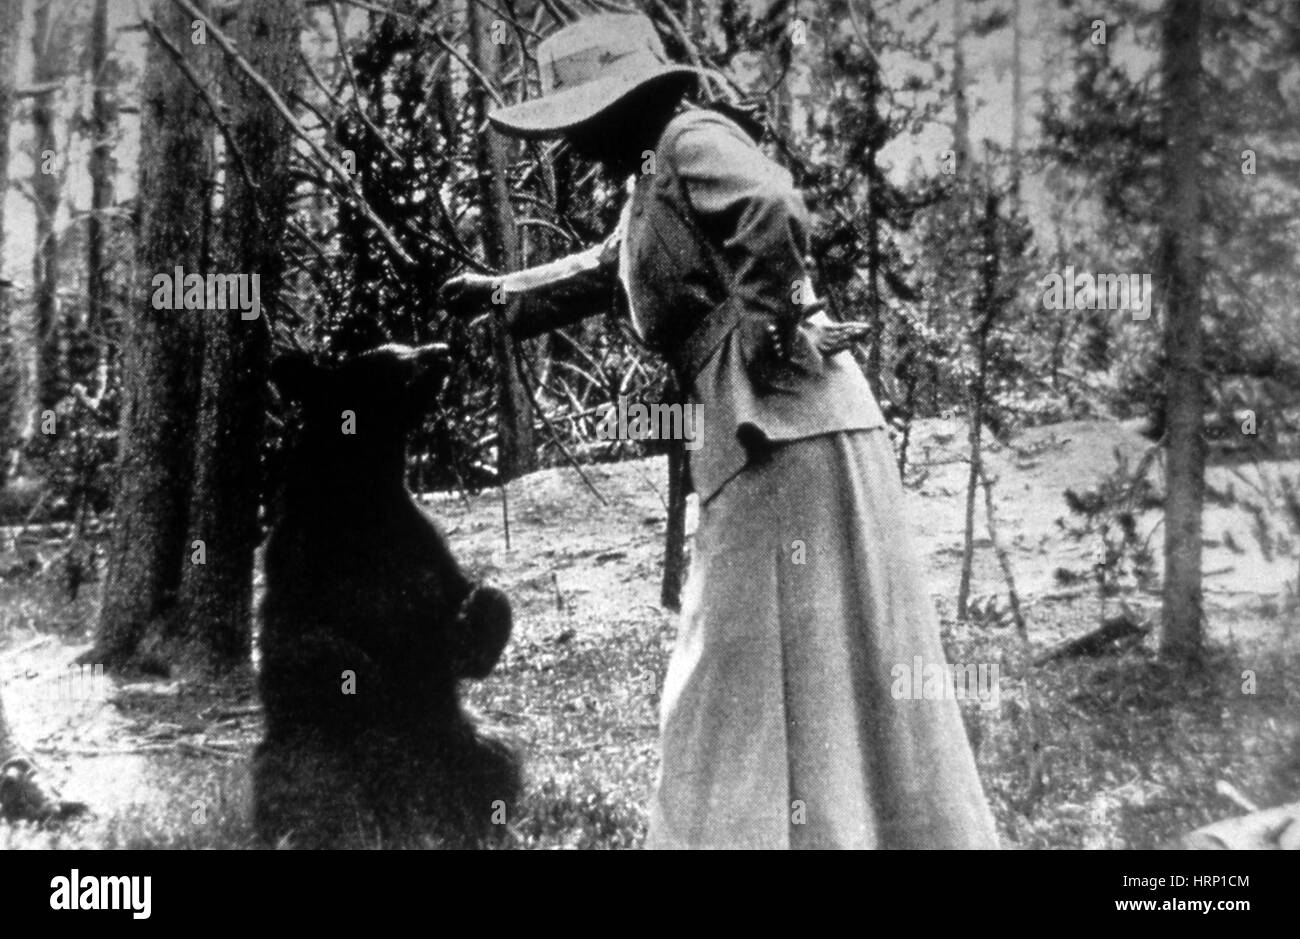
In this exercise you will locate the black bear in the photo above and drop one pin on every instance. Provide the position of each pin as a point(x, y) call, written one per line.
point(368, 624)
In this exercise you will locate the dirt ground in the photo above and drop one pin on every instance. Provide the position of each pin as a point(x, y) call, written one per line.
point(163, 762)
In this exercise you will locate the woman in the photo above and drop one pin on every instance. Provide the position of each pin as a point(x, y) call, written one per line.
point(778, 724)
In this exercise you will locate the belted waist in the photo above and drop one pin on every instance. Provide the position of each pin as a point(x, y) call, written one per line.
point(689, 360)
point(690, 356)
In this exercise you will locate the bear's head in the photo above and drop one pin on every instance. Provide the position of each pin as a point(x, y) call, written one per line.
point(356, 414)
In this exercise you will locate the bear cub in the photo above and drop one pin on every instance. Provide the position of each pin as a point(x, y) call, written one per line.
point(368, 625)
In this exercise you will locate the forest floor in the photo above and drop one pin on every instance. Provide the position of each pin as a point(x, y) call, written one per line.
point(1130, 754)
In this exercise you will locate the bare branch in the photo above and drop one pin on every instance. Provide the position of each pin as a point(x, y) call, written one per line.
point(437, 37)
point(352, 81)
point(200, 86)
point(277, 102)
point(33, 91)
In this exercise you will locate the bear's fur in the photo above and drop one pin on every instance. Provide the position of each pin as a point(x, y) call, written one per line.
point(363, 594)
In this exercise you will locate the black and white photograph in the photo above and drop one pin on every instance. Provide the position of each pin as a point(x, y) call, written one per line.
point(650, 424)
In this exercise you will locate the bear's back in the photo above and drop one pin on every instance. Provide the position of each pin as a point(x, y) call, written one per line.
point(371, 589)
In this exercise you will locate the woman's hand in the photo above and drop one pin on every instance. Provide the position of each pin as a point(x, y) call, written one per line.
point(826, 336)
point(467, 294)
point(830, 338)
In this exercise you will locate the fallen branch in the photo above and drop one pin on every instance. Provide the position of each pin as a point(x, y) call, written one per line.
point(1123, 626)
point(97, 751)
point(1073, 593)
point(224, 714)
point(202, 749)
point(1235, 795)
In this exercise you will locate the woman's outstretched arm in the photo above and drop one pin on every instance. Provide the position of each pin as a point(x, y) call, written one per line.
point(552, 295)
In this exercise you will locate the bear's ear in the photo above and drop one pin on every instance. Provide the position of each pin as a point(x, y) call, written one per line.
point(296, 375)
point(430, 365)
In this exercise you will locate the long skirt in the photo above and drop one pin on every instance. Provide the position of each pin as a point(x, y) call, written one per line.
point(782, 721)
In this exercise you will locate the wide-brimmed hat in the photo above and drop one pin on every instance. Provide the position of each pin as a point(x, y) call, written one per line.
point(585, 67)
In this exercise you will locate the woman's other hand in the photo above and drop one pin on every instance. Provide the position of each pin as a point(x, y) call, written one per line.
point(467, 294)
point(830, 338)
point(822, 333)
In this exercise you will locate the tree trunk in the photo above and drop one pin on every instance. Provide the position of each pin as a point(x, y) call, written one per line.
point(1017, 102)
point(777, 65)
point(46, 186)
point(1180, 638)
point(972, 481)
point(217, 595)
point(960, 106)
point(7, 748)
point(875, 260)
point(516, 452)
point(160, 364)
point(103, 116)
point(985, 312)
point(875, 315)
point(13, 418)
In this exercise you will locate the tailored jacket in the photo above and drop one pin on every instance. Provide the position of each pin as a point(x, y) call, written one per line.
point(710, 252)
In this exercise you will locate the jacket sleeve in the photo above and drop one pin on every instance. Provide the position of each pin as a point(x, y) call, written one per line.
point(749, 208)
point(564, 291)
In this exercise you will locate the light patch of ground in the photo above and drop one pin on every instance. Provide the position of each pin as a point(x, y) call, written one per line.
point(62, 713)
point(1033, 473)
